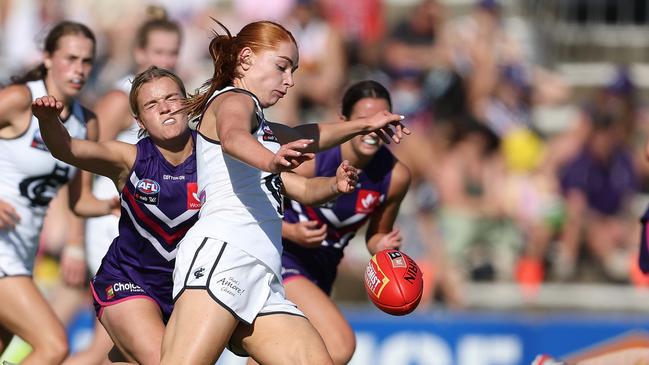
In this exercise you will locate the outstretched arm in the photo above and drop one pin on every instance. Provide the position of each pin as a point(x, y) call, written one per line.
point(111, 159)
point(326, 135)
point(318, 190)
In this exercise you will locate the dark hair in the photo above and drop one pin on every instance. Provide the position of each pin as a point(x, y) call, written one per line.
point(224, 50)
point(157, 21)
point(50, 46)
point(361, 90)
point(148, 75)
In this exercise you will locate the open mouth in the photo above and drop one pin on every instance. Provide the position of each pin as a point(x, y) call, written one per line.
point(77, 83)
point(370, 140)
point(169, 121)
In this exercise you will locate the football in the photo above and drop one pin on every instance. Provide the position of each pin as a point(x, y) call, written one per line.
point(394, 282)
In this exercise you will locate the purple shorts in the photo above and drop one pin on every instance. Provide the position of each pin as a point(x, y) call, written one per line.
point(294, 266)
point(112, 286)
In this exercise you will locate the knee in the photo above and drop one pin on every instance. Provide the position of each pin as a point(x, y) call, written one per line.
point(342, 347)
point(54, 349)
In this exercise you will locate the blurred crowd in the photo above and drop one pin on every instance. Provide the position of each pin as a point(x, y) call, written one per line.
point(503, 190)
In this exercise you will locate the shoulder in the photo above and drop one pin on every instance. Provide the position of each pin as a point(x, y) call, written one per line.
point(17, 96)
point(233, 101)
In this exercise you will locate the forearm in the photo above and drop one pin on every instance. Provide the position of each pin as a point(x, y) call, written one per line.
point(327, 135)
point(56, 138)
point(310, 191)
point(373, 243)
point(319, 190)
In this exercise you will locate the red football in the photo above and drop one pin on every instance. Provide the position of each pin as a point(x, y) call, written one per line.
point(394, 282)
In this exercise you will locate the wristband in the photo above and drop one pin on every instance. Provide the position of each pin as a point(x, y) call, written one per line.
point(74, 251)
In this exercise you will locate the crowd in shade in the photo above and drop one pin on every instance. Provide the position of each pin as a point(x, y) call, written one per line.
point(499, 192)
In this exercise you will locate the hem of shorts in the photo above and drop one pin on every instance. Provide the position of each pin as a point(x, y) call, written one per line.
point(293, 277)
point(260, 314)
point(103, 304)
point(219, 302)
point(16, 275)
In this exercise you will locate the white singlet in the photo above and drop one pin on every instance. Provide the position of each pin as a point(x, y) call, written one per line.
point(241, 205)
point(29, 180)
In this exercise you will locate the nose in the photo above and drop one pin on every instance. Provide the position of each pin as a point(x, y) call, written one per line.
point(165, 107)
point(289, 79)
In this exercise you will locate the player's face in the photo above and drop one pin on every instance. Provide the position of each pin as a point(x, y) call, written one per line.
point(69, 66)
point(158, 100)
point(161, 50)
point(271, 73)
point(367, 145)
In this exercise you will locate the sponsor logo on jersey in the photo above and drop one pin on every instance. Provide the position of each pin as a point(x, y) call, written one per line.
point(268, 134)
point(397, 259)
point(367, 200)
point(37, 141)
point(147, 191)
point(193, 200)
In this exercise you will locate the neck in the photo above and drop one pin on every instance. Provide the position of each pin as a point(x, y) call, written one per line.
point(177, 150)
point(347, 153)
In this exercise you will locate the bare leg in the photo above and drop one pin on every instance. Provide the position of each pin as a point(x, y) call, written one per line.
point(282, 339)
point(136, 328)
point(25, 313)
point(198, 330)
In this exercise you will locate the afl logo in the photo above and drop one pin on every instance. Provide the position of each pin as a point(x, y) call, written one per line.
point(148, 187)
point(147, 191)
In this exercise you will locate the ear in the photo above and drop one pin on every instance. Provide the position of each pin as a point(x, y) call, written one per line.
point(246, 57)
point(47, 60)
point(139, 123)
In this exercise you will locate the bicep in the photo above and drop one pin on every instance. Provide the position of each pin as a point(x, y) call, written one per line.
point(233, 114)
point(110, 158)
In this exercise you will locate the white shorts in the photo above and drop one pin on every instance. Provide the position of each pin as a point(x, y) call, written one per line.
point(100, 233)
point(17, 254)
point(234, 279)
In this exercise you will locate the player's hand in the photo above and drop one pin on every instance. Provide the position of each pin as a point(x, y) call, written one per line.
point(8, 216)
point(390, 241)
point(388, 126)
point(73, 265)
point(290, 156)
point(113, 206)
point(47, 108)
point(307, 234)
point(346, 177)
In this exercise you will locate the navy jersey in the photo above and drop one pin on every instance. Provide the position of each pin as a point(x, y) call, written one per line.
point(159, 204)
point(343, 216)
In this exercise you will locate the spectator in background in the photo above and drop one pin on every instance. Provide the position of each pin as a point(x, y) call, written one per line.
point(478, 240)
point(322, 70)
point(597, 185)
point(363, 25)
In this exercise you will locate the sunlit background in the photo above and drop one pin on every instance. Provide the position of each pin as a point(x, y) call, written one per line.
point(528, 158)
